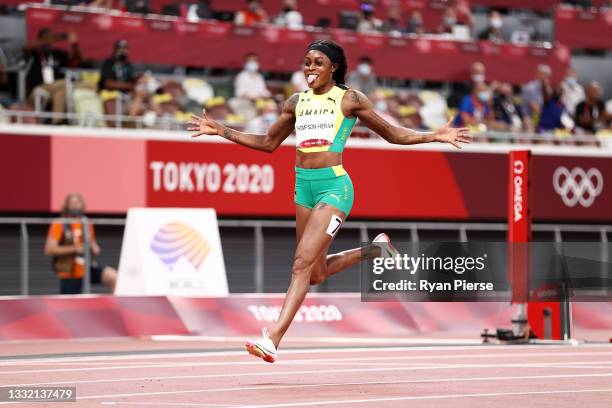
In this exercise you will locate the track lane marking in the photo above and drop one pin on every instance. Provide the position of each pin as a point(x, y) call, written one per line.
point(291, 351)
point(342, 384)
point(335, 371)
point(294, 362)
point(423, 397)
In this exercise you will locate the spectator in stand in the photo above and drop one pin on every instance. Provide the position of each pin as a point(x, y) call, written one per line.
point(463, 12)
point(475, 109)
point(573, 92)
point(415, 23)
point(116, 78)
point(140, 103)
point(478, 74)
point(249, 86)
point(493, 31)
point(250, 83)
point(5, 96)
point(449, 19)
point(107, 4)
point(457, 12)
point(363, 78)
point(267, 115)
point(84, 3)
point(506, 112)
point(45, 79)
point(579, 3)
point(65, 242)
point(218, 109)
point(367, 22)
point(533, 92)
point(137, 6)
point(290, 16)
point(201, 10)
point(408, 110)
point(254, 14)
point(393, 24)
point(552, 111)
point(382, 108)
point(591, 114)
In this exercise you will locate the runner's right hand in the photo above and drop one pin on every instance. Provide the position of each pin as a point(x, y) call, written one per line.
point(203, 125)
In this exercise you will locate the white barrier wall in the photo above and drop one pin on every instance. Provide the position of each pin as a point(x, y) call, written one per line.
point(171, 251)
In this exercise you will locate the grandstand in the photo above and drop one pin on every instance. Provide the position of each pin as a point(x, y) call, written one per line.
point(95, 97)
point(422, 89)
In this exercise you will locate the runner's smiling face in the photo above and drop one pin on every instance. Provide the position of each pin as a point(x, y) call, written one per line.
point(318, 69)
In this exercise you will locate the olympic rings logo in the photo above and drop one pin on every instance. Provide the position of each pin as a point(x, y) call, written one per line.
point(577, 186)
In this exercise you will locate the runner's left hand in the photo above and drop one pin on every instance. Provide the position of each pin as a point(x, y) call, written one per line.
point(454, 136)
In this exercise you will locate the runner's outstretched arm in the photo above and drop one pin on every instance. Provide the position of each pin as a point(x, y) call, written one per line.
point(359, 105)
point(278, 132)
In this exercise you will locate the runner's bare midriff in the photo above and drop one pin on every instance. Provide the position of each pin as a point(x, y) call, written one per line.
point(317, 160)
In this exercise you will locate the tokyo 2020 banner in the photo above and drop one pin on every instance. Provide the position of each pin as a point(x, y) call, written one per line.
point(168, 169)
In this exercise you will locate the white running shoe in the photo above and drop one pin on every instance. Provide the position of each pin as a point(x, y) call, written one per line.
point(387, 250)
point(262, 348)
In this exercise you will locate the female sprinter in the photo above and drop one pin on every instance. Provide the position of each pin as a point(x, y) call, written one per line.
point(323, 118)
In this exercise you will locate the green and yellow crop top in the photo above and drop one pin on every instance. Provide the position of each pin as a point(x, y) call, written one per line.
point(320, 125)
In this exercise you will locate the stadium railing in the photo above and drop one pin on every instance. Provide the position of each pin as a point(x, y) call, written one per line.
point(413, 230)
point(169, 123)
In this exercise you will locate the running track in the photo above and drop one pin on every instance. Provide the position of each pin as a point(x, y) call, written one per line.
point(390, 373)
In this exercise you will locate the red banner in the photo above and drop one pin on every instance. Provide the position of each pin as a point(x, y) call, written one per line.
point(54, 317)
point(25, 182)
point(390, 182)
point(239, 181)
point(180, 43)
point(572, 188)
point(579, 28)
point(320, 315)
point(223, 176)
point(330, 315)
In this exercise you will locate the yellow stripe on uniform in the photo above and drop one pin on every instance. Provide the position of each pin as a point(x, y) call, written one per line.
point(339, 170)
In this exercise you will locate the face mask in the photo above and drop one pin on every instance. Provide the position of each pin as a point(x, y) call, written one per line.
point(364, 69)
point(252, 66)
point(270, 117)
point(571, 81)
point(496, 23)
point(122, 57)
point(381, 105)
point(483, 96)
point(450, 21)
point(478, 78)
point(253, 7)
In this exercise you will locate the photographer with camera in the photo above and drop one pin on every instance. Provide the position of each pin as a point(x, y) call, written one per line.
point(65, 242)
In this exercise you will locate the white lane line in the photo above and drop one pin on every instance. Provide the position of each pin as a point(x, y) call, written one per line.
point(343, 384)
point(326, 350)
point(320, 361)
point(423, 397)
point(171, 404)
point(332, 340)
point(315, 372)
point(289, 352)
